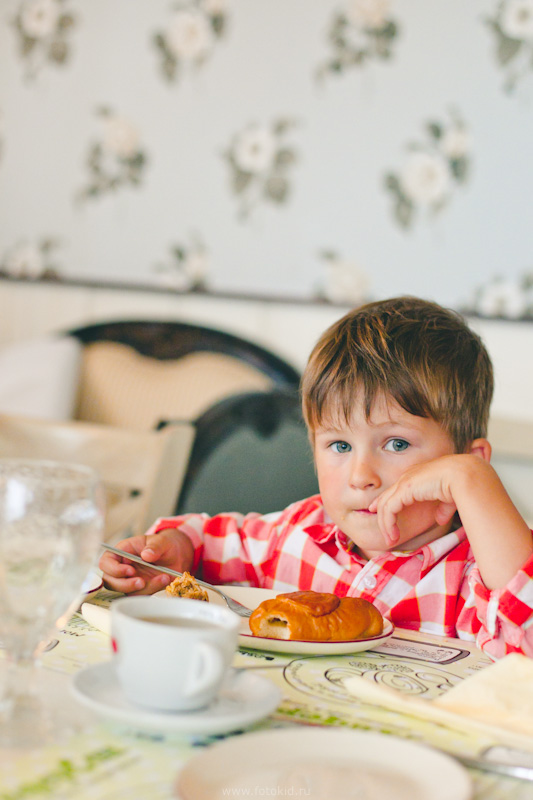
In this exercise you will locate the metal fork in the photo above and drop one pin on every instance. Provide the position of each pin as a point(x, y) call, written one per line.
point(239, 609)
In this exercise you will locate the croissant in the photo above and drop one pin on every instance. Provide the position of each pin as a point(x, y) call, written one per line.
point(316, 616)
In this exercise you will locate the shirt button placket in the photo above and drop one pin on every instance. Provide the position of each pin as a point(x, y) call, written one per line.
point(369, 581)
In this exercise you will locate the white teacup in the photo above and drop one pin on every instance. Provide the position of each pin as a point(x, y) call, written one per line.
point(172, 654)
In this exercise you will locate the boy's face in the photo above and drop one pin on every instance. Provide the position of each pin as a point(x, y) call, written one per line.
point(357, 462)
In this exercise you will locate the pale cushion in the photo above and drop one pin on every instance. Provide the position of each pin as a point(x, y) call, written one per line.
point(119, 386)
point(39, 377)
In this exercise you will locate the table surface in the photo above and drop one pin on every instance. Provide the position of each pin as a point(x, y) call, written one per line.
point(107, 761)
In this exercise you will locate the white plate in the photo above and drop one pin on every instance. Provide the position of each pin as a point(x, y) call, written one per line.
point(92, 583)
point(244, 699)
point(325, 763)
point(252, 597)
point(100, 618)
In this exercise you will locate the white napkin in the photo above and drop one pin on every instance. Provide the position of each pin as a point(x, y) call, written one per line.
point(498, 700)
point(97, 616)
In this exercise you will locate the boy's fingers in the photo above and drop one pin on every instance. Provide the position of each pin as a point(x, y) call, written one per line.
point(154, 547)
point(149, 554)
point(155, 584)
point(393, 534)
point(137, 585)
point(113, 565)
point(125, 585)
point(445, 512)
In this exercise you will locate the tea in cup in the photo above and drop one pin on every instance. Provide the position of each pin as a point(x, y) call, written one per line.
point(172, 654)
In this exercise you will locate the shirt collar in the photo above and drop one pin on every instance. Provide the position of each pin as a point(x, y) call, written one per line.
point(431, 553)
point(434, 551)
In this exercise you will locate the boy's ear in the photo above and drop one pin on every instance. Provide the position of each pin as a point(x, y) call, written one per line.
point(481, 448)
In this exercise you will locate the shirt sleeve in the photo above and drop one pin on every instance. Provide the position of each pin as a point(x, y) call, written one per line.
point(505, 615)
point(228, 548)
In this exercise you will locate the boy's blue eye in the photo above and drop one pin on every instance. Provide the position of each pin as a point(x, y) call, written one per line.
point(341, 447)
point(397, 445)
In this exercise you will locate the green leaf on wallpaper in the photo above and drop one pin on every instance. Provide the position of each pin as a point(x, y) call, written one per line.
point(380, 47)
point(218, 23)
point(383, 52)
point(392, 182)
point(27, 45)
point(58, 52)
point(48, 244)
point(339, 25)
point(459, 168)
point(435, 129)
point(507, 49)
point(65, 22)
point(240, 181)
point(284, 157)
point(276, 188)
point(281, 126)
point(93, 157)
point(356, 57)
point(328, 255)
point(389, 30)
point(138, 160)
point(404, 213)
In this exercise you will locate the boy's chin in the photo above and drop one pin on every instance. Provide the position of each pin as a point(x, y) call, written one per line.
point(413, 534)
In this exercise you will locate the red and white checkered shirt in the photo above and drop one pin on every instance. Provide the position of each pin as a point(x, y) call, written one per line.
point(436, 589)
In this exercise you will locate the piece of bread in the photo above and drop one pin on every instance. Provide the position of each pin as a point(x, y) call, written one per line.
point(316, 616)
point(186, 586)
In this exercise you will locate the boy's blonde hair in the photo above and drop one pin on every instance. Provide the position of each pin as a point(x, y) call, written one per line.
point(415, 352)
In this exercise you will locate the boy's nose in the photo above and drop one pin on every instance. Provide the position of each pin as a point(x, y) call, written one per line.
point(364, 474)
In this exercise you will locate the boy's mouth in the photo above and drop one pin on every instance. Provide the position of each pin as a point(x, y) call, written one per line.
point(365, 511)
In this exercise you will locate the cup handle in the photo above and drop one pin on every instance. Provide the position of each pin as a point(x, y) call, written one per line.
point(208, 669)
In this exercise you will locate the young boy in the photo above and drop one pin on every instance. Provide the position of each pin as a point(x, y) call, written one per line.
point(410, 516)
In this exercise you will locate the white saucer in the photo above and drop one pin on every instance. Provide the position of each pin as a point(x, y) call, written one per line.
point(325, 763)
point(246, 698)
point(92, 583)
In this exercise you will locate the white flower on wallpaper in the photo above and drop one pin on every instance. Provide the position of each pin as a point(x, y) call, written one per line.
point(43, 28)
point(364, 30)
point(31, 260)
point(190, 35)
point(116, 160)
point(260, 161)
point(511, 298)
point(186, 268)
point(433, 168)
point(512, 26)
point(344, 281)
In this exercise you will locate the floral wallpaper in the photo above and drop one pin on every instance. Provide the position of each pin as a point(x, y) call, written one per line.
point(436, 162)
point(115, 159)
point(328, 151)
point(43, 29)
point(358, 32)
point(189, 36)
point(260, 161)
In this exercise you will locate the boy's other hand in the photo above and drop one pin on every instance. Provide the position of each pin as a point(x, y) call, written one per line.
point(168, 548)
point(428, 483)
